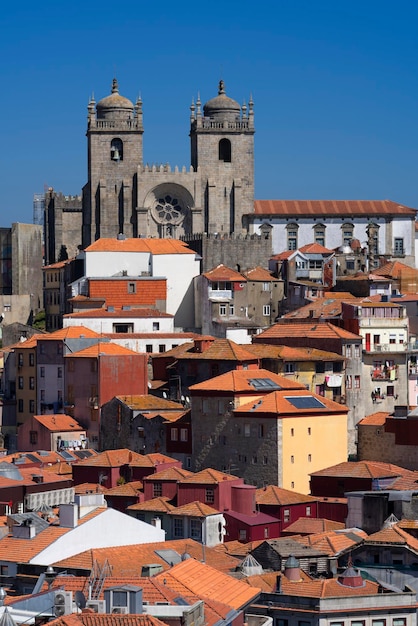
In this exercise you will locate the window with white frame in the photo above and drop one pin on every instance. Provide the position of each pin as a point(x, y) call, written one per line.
point(222, 309)
point(266, 309)
point(292, 236)
point(398, 246)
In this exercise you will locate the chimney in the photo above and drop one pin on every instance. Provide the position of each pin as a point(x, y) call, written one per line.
point(68, 515)
point(156, 522)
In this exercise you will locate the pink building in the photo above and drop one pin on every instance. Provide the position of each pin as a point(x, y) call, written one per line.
point(51, 432)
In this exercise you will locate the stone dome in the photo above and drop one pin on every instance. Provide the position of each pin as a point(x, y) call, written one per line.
point(222, 107)
point(115, 105)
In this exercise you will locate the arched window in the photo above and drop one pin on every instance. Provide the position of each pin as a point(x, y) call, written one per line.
point(225, 150)
point(116, 150)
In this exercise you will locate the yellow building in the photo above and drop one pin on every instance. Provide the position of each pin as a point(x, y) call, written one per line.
point(25, 356)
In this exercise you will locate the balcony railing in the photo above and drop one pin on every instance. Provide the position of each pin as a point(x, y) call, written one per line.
point(385, 373)
point(387, 347)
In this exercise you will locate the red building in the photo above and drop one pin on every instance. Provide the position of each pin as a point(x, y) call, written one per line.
point(243, 521)
point(164, 483)
point(286, 506)
point(98, 373)
point(210, 487)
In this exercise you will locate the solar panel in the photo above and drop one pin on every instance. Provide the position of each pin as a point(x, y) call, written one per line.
point(264, 383)
point(305, 402)
point(66, 455)
point(169, 556)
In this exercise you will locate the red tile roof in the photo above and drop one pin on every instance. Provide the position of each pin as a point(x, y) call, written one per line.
point(58, 422)
point(300, 329)
point(149, 402)
point(103, 619)
point(375, 419)
point(362, 469)
point(310, 526)
point(208, 476)
point(259, 274)
point(239, 381)
point(219, 350)
point(205, 581)
point(169, 474)
point(290, 353)
point(315, 248)
point(224, 273)
point(158, 505)
point(279, 403)
point(343, 208)
point(102, 349)
point(127, 489)
point(194, 509)
point(394, 536)
point(153, 246)
point(274, 495)
point(123, 456)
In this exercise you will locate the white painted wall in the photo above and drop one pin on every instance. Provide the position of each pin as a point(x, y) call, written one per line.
point(108, 529)
point(105, 324)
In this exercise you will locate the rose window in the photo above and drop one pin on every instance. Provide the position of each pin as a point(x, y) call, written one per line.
point(168, 210)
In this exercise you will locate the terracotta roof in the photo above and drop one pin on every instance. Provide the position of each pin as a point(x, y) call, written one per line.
point(322, 329)
point(205, 581)
point(309, 526)
point(274, 495)
point(171, 473)
point(343, 208)
point(194, 509)
point(208, 476)
point(127, 489)
point(89, 488)
point(70, 332)
point(102, 349)
point(157, 505)
point(58, 422)
point(259, 274)
point(282, 256)
point(279, 403)
point(153, 246)
point(134, 313)
point(332, 542)
point(375, 419)
point(321, 308)
point(224, 273)
point(394, 269)
point(220, 350)
point(290, 353)
point(116, 458)
point(58, 265)
point(149, 402)
point(315, 248)
point(326, 588)
point(103, 619)
point(267, 581)
point(362, 469)
point(239, 381)
point(128, 560)
point(394, 536)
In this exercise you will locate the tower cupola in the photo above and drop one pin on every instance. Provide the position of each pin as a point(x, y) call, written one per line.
point(222, 107)
point(115, 106)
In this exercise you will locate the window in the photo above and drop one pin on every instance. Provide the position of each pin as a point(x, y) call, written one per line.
point(292, 459)
point(196, 529)
point(178, 527)
point(378, 622)
point(93, 366)
point(161, 347)
point(247, 430)
point(59, 372)
point(357, 351)
point(308, 511)
point(292, 432)
point(261, 431)
point(184, 435)
point(289, 368)
point(254, 460)
point(347, 231)
point(266, 532)
point(31, 382)
point(266, 286)
point(116, 149)
point(392, 339)
point(148, 348)
point(398, 621)
point(20, 405)
point(123, 328)
point(357, 381)
point(174, 434)
point(42, 395)
point(225, 150)
point(231, 309)
point(390, 391)
point(358, 623)
point(398, 247)
point(348, 350)
point(348, 382)
point(286, 515)
point(242, 535)
point(320, 367)
point(20, 359)
point(266, 309)
point(131, 288)
point(4, 570)
point(156, 326)
point(309, 430)
point(222, 309)
point(209, 495)
point(157, 489)
point(33, 436)
point(376, 340)
point(31, 406)
point(292, 236)
point(20, 382)
point(31, 359)
point(265, 460)
point(319, 234)
point(309, 458)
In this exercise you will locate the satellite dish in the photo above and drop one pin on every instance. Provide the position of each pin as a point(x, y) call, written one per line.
point(80, 599)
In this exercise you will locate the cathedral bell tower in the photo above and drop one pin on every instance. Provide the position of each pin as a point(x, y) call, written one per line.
point(222, 150)
point(114, 137)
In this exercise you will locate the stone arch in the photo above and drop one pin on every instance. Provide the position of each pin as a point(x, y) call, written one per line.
point(225, 150)
point(169, 206)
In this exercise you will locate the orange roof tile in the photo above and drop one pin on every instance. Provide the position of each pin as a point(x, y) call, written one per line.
point(320, 329)
point(128, 560)
point(309, 525)
point(205, 581)
point(127, 489)
point(395, 536)
point(362, 469)
point(239, 381)
point(375, 419)
point(194, 509)
point(171, 473)
point(279, 403)
point(89, 488)
point(158, 505)
point(208, 476)
point(149, 402)
point(153, 246)
point(220, 350)
point(290, 353)
point(224, 273)
point(70, 332)
point(134, 313)
point(315, 248)
point(394, 269)
point(343, 208)
point(259, 274)
point(102, 349)
point(113, 458)
point(59, 422)
point(274, 495)
point(103, 619)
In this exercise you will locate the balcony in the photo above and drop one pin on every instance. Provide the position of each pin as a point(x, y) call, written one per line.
point(385, 373)
point(387, 347)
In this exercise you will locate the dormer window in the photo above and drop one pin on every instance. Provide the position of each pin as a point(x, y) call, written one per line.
point(116, 150)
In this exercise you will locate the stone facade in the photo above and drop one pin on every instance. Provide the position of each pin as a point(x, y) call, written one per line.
point(62, 226)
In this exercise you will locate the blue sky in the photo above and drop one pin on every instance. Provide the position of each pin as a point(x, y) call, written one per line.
point(335, 87)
